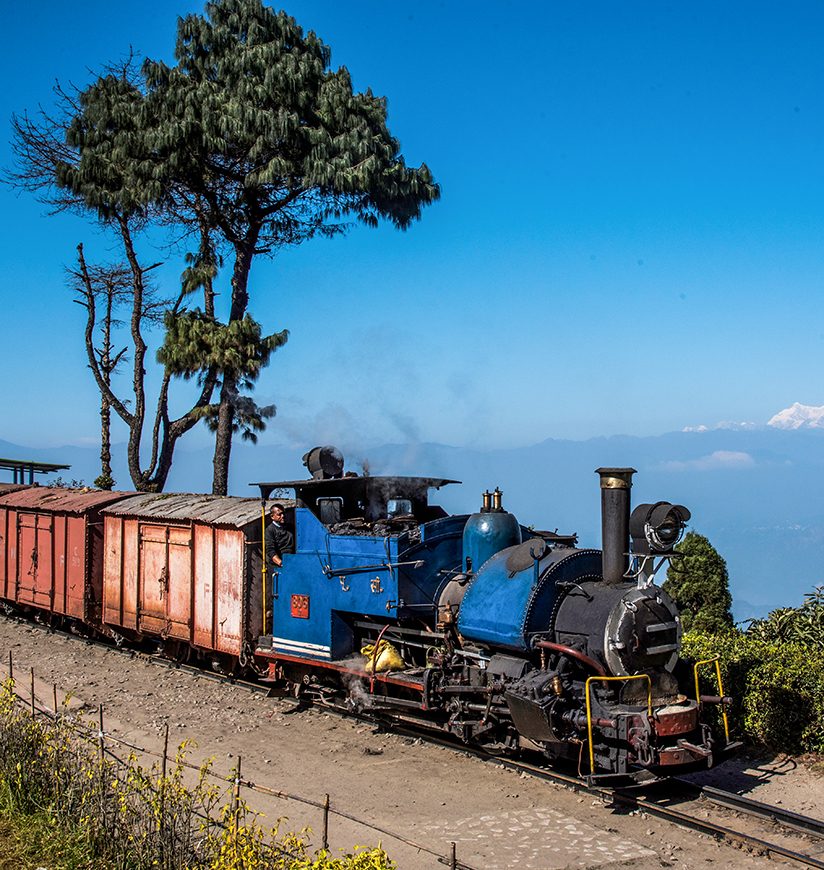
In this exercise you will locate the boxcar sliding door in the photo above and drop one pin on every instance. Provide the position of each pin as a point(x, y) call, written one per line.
point(34, 548)
point(166, 579)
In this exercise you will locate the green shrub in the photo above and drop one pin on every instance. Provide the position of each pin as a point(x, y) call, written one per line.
point(777, 688)
point(699, 584)
point(804, 625)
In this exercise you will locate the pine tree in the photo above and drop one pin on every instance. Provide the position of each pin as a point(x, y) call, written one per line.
point(276, 147)
point(699, 584)
point(251, 134)
point(251, 140)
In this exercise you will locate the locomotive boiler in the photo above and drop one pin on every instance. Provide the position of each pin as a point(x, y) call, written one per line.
point(502, 635)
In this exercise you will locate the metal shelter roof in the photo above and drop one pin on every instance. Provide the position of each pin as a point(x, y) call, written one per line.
point(58, 500)
point(20, 466)
point(224, 510)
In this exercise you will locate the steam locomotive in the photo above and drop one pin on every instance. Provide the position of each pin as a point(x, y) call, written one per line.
point(502, 634)
point(476, 625)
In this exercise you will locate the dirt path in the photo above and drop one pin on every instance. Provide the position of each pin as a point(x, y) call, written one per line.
point(430, 795)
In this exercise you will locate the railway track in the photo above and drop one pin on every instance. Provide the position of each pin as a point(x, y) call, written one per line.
point(626, 799)
point(630, 799)
point(813, 829)
point(779, 815)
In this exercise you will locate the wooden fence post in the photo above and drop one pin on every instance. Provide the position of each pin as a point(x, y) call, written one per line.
point(453, 862)
point(100, 737)
point(54, 698)
point(326, 822)
point(162, 796)
point(32, 692)
point(236, 807)
point(102, 783)
point(165, 750)
point(11, 666)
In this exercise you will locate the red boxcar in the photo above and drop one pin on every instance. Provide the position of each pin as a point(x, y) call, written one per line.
point(186, 568)
point(51, 552)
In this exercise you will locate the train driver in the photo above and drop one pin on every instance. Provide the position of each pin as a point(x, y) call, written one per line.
point(278, 539)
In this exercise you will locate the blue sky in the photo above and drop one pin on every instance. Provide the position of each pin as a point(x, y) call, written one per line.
point(629, 240)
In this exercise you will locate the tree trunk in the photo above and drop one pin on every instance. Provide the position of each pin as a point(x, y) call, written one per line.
point(106, 481)
point(139, 478)
point(223, 437)
point(244, 254)
point(103, 362)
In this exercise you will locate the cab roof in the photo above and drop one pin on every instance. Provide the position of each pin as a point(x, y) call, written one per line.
point(354, 484)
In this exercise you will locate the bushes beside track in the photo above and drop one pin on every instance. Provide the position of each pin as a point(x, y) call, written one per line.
point(777, 688)
point(65, 803)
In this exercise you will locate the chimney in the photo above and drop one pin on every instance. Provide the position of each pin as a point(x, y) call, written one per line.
point(615, 503)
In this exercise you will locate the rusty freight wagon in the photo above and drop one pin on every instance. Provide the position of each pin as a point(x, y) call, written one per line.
point(51, 556)
point(186, 569)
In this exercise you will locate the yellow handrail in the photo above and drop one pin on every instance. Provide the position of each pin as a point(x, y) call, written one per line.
point(716, 660)
point(589, 682)
point(263, 554)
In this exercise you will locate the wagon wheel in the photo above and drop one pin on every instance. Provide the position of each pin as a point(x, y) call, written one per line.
point(225, 665)
point(173, 650)
point(183, 653)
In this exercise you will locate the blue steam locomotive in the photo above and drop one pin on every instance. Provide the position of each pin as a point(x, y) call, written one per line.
point(496, 633)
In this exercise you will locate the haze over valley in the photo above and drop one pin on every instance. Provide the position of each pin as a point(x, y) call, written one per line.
point(754, 490)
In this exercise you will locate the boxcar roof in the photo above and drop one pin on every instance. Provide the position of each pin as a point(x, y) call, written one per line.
point(58, 500)
point(224, 510)
point(6, 488)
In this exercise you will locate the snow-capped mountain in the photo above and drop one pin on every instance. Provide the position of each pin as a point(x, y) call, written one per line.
point(730, 425)
point(799, 416)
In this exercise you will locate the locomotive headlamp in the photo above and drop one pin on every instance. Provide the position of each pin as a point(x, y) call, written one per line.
point(657, 528)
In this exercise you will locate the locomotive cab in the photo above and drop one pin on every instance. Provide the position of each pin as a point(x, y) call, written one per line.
point(360, 543)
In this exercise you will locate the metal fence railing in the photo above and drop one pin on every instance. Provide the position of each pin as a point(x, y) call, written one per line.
point(107, 741)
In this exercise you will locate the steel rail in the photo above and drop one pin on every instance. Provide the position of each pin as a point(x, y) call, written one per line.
point(718, 831)
point(152, 658)
point(787, 818)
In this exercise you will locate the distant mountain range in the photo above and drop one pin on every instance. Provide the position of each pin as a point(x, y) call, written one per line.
point(755, 492)
point(797, 416)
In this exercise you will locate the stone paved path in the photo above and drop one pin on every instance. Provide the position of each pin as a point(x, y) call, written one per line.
point(535, 839)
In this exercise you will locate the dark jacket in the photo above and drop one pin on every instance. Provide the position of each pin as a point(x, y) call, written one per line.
point(278, 541)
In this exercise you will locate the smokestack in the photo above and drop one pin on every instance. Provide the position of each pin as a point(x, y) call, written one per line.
point(615, 486)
